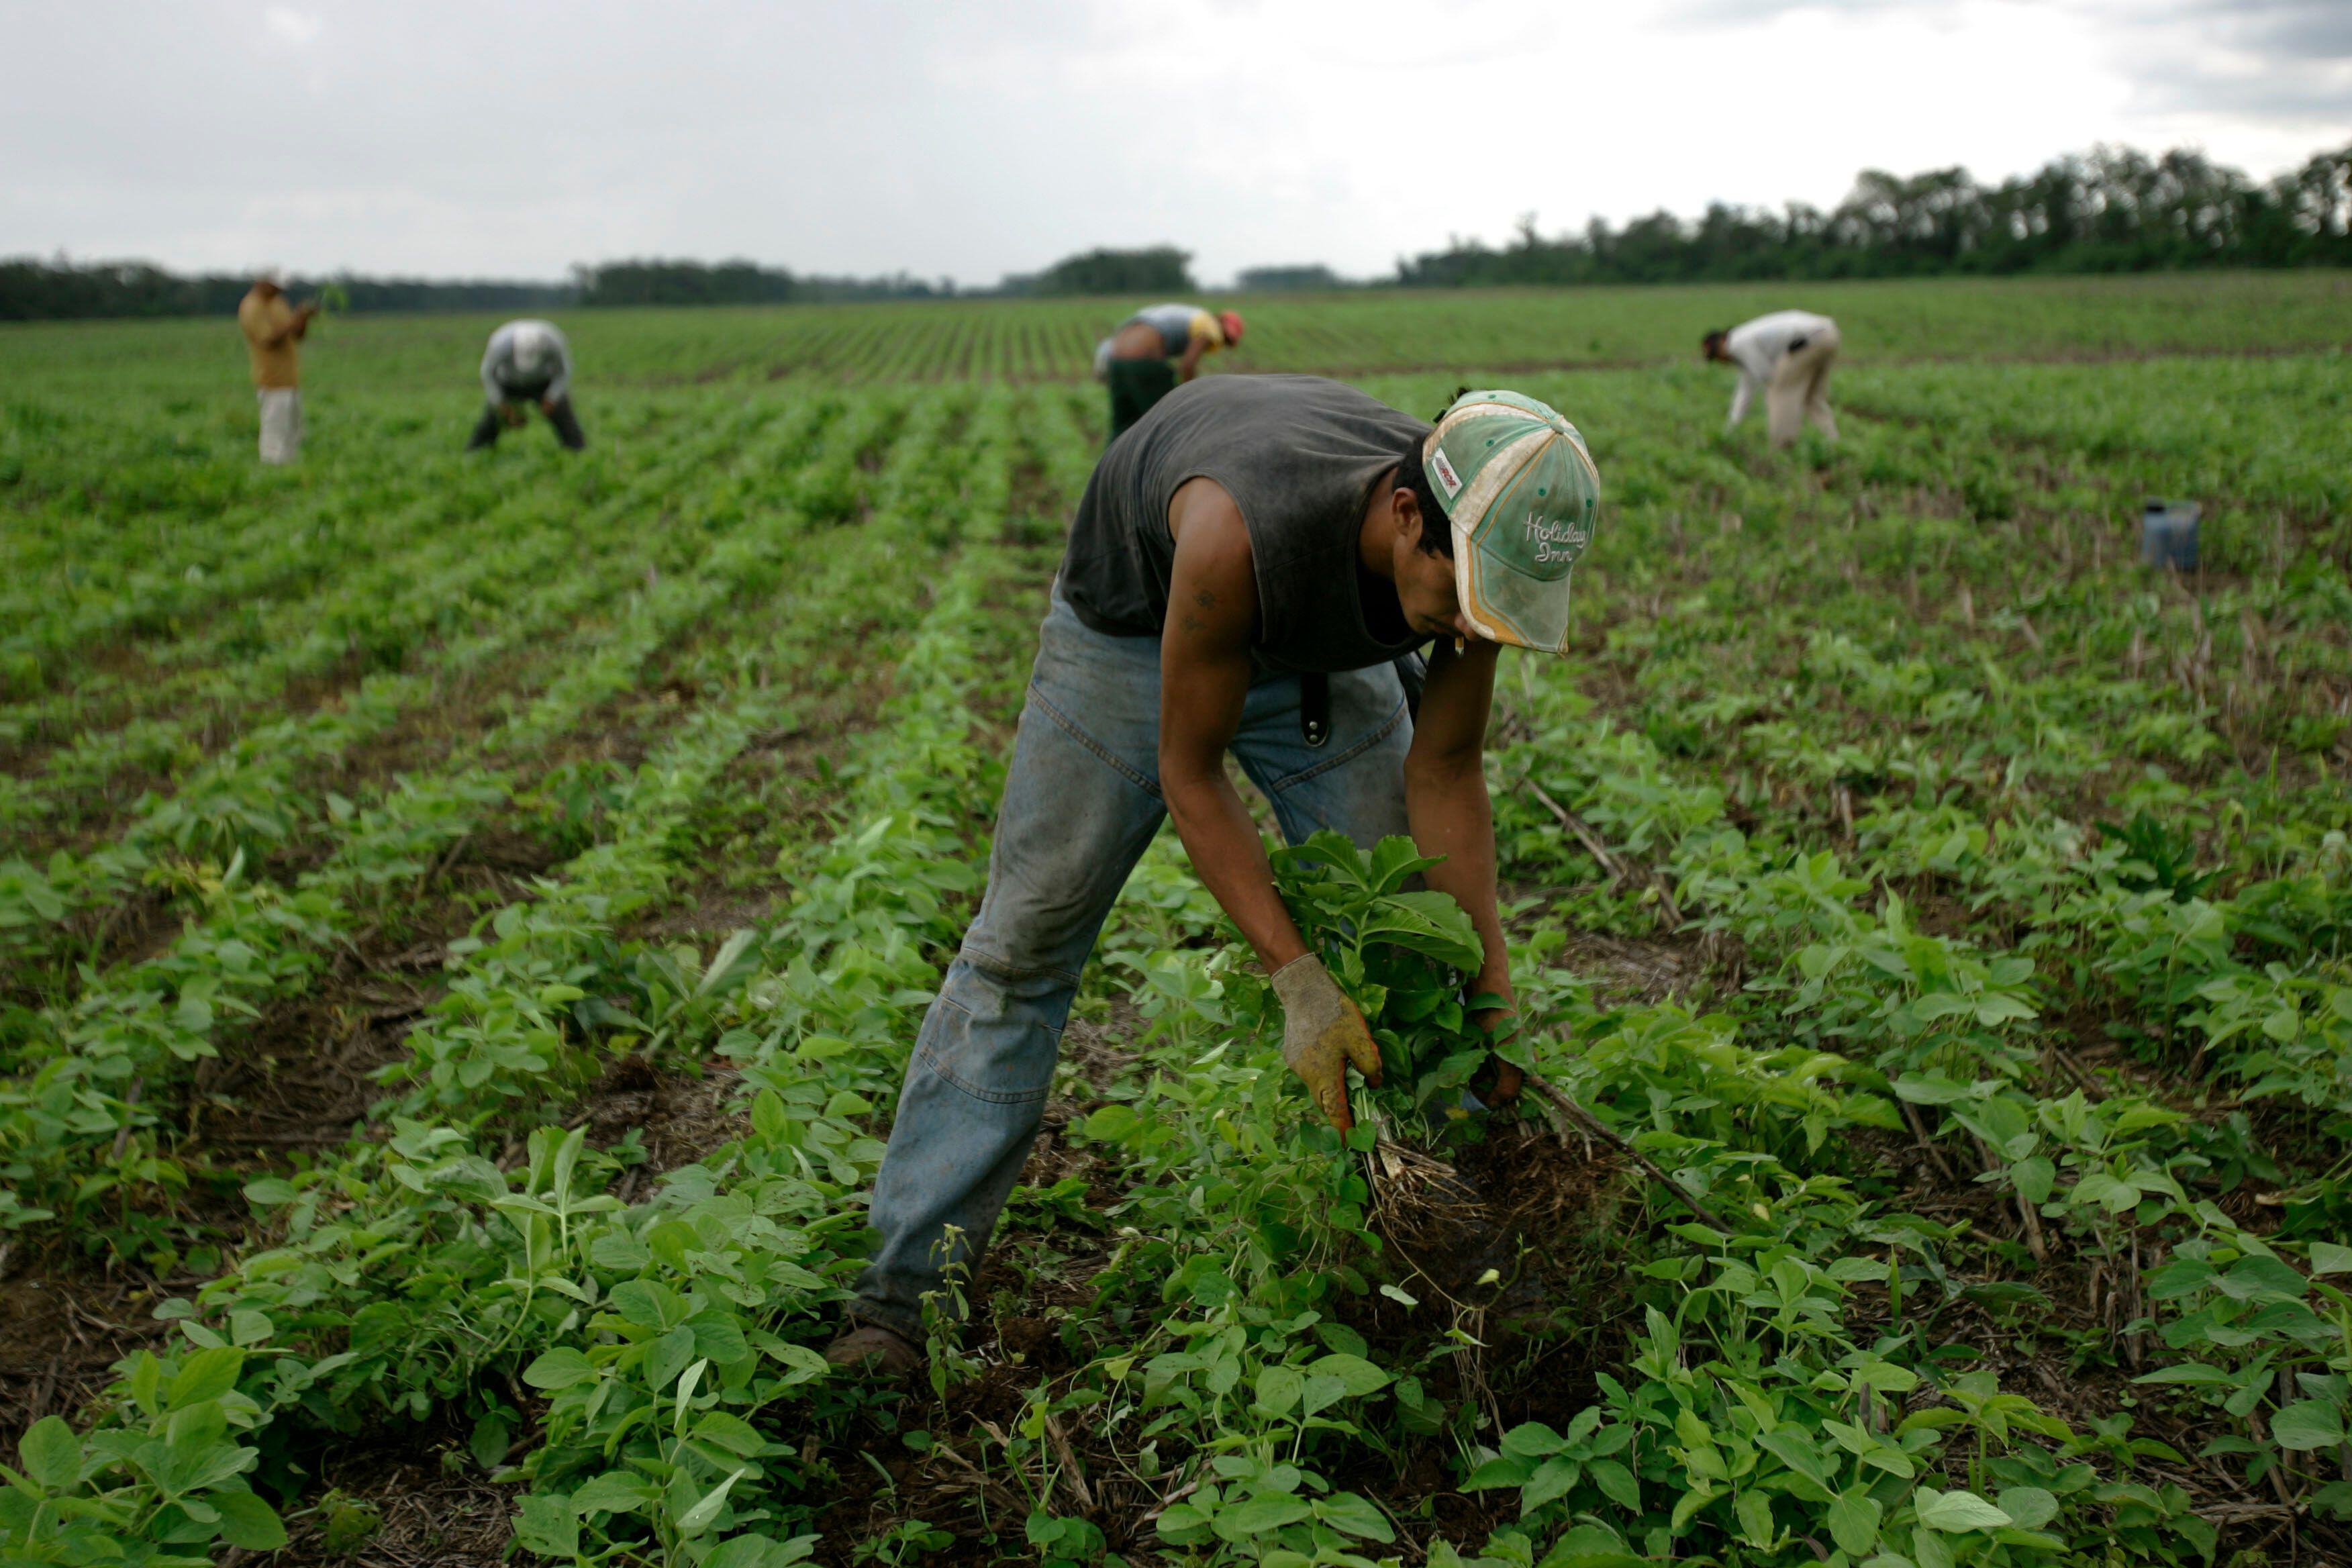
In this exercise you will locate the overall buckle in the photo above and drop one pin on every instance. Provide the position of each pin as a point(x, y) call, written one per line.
point(1315, 708)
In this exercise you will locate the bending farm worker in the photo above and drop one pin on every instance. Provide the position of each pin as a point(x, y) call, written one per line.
point(527, 363)
point(1134, 360)
point(1257, 567)
point(272, 327)
point(1787, 356)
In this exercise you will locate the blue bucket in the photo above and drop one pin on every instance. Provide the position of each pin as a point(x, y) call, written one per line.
point(2167, 534)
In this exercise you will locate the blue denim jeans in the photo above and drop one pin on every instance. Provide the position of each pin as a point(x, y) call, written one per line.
point(1081, 803)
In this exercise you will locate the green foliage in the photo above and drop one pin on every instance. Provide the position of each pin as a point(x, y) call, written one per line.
point(2160, 857)
point(2110, 210)
point(1402, 952)
point(169, 1477)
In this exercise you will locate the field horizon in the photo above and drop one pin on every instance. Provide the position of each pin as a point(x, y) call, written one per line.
point(1353, 331)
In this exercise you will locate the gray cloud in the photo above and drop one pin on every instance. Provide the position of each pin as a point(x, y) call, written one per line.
point(2303, 30)
point(2285, 99)
point(1735, 12)
point(2286, 62)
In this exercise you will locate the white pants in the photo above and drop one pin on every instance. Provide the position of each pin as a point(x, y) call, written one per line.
point(1800, 389)
point(281, 424)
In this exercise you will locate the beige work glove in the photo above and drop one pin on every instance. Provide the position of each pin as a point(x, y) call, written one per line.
point(1322, 1032)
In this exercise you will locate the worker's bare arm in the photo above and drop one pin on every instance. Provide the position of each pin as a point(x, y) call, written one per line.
point(296, 325)
point(1204, 678)
point(1190, 366)
point(1741, 397)
point(1446, 795)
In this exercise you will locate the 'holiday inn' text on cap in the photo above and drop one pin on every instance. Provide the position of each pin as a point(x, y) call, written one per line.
point(1521, 493)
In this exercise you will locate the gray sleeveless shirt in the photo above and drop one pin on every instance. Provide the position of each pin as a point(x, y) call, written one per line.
point(1300, 455)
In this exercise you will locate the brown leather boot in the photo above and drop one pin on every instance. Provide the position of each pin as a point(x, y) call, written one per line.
point(878, 1352)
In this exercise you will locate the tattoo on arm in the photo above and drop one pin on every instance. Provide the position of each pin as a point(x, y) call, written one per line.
point(1205, 598)
point(1193, 623)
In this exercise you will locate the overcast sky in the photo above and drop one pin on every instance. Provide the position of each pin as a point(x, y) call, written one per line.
point(971, 140)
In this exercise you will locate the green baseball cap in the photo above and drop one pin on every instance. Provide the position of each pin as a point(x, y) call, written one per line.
point(1522, 493)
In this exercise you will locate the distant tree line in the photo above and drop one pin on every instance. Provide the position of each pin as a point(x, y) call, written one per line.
point(35, 290)
point(1158, 269)
point(2111, 210)
point(1286, 279)
point(660, 282)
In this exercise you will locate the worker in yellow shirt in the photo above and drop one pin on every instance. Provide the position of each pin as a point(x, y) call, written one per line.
point(1134, 360)
point(272, 326)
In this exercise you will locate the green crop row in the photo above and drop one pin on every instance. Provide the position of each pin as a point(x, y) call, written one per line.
point(87, 1069)
point(379, 616)
point(127, 589)
point(428, 365)
point(502, 988)
point(241, 800)
point(1936, 924)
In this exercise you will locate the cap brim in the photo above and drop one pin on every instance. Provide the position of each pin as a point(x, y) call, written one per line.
point(1506, 606)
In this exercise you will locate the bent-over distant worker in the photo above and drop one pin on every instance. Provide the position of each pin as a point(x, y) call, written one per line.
point(1255, 567)
point(1134, 360)
point(527, 363)
point(272, 325)
point(1786, 355)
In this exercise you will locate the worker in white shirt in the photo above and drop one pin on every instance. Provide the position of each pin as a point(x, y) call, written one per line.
point(1787, 355)
point(527, 363)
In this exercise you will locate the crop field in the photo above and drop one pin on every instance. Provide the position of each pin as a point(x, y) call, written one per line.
point(463, 920)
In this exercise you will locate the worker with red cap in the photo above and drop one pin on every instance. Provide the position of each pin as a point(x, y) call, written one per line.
point(1134, 360)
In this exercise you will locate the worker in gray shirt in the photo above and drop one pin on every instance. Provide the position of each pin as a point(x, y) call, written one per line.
point(527, 363)
point(1134, 360)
